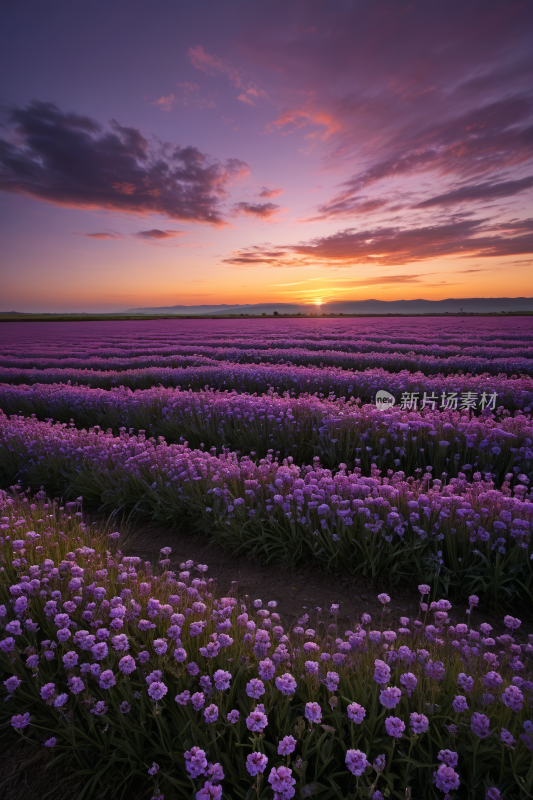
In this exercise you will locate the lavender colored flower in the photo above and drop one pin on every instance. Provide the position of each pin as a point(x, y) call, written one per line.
point(47, 690)
point(127, 665)
point(267, 669)
point(459, 704)
point(124, 707)
point(198, 700)
point(193, 668)
point(233, 716)
point(256, 763)
point(409, 681)
point(448, 757)
point(222, 680)
point(419, 723)
point(195, 762)
point(157, 690)
point(99, 651)
point(356, 713)
point(256, 721)
point(513, 698)
point(480, 725)
point(107, 679)
point(180, 654)
point(381, 672)
point(184, 698)
point(211, 713)
point(286, 684)
point(395, 727)
point(493, 794)
point(60, 700)
point(313, 712)
point(507, 738)
point(215, 773)
point(70, 659)
point(379, 763)
point(356, 762)
point(51, 742)
point(255, 688)
point(209, 791)
point(12, 683)
point(424, 589)
point(120, 642)
point(143, 656)
point(390, 697)
point(446, 779)
point(384, 598)
point(76, 685)
point(465, 682)
point(311, 667)
point(20, 721)
point(287, 746)
point(153, 769)
point(282, 782)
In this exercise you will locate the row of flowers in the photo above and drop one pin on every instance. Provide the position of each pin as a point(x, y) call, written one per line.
point(336, 430)
point(463, 532)
point(187, 689)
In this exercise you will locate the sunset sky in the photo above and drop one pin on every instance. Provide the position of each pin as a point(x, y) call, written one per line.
point(160, 153)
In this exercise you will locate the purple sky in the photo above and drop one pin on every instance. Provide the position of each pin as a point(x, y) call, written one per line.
point(166, 153)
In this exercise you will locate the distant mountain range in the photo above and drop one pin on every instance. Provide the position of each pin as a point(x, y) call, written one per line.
point(451, 306)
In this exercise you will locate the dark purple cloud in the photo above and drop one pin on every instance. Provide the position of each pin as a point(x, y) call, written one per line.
point(396, 246)
point(268, 193)
point(261, 210)
point(479, 192)
point(103, 235)
point(73, 161)
point(156, 234)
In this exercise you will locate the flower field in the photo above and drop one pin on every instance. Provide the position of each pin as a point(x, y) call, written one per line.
point(266, 436)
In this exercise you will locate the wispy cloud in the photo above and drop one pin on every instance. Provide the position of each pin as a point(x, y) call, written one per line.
point(260, 210)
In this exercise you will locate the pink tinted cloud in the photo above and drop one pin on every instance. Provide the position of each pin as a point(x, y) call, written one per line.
point(157, 234)
point(259, 210)
point(213, 65)
point(103, 235)
point(269, 193)
point(189, 96)
point(396, 246)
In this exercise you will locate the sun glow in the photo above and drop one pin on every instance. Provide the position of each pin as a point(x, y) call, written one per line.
point(318, 302)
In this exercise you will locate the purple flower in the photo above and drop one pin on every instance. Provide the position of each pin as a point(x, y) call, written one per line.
point(60, 700)
point(12, 683)
point(419, 723)
point(448, 757)
point(356, 713)
point(480, 725)
point(99, 651)
point(381, 672)
point(7, 644)
point(180, 654)
point(195, 762)
point(107, 679)
point(511, 622)
point(311, 667)
point(193, 668)
point(156, 675)
point(124, 707)
point(379, 763)
point(76, 685)
point(395, 727)
point(14, 628)
point(120, 642)
point(211, 713)
point(184, 698)
point(332, 681)
point(507, 738)
point(160, 646)
point(153, 769)
point(63, 635)
point(492, 680)
point(233, 716)
point(282, 782)
point(409, 681)
point(127, 665)
point(459, 704)
point(493, 794)
point(215, 773)
point(256, 763)
point(267, 669)
point(70, 659)
point(313, 712)
point(286, 684)
point(446, 779)
point(287, 746)
point(47, 690)
point(255, 688)
point(513, 698)
point(20, 721)
point(51, 742)
point(32, 661)
point(222, 680)
point(384, 598)
point(256, 721)
point(143, 656)
point(198, 700)
point(356, 762)
point(209, 791)
point(424, 589)
point(390, 697)
point(157, 690)
point(465, 682)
